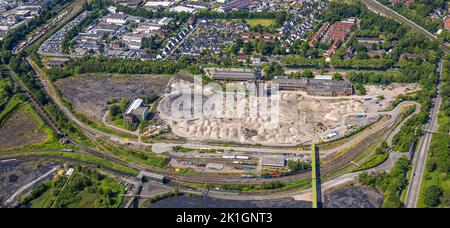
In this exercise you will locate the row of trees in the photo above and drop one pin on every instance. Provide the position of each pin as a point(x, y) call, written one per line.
point(379, 77)
point(391, 184)
point(300, 61)
point(420, 12)
point(26, 76)
point(438, 166)
point(279, 17)
point(123, 66)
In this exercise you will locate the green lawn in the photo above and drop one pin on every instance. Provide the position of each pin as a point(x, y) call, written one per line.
point(87, 200)
point(42, 201)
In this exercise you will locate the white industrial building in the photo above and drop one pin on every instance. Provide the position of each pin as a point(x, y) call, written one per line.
point(117, 19)
point(273, 161)
point(183, 9)
point(136, 111)
point(153, 4)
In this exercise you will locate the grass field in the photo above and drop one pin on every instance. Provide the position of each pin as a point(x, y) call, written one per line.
point(86, 200)
point(21, 127)
point(261, 22)
point(43, 201)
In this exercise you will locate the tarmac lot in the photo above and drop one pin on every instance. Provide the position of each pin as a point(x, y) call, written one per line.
point(90, 93)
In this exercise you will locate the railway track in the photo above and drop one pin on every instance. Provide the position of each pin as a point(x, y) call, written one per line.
point(330, 167)
point(339, 162)
point(335, 165)
point(34, 102)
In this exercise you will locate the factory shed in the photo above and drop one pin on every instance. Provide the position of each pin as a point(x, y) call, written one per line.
point(134, 105)
point(234, 76)
point(146, 176)
point(274, 161)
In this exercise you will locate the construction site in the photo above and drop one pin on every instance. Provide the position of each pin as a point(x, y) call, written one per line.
point(293, 117)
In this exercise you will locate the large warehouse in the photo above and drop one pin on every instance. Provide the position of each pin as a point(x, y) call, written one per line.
point(317, 87)
point(239, 76)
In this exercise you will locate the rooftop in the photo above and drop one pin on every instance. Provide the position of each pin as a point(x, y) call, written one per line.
point(136, 104)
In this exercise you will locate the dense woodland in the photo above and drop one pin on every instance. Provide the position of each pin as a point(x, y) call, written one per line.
point(420, 12)
point(436, 191)
point(391, 184)
point(124, 66)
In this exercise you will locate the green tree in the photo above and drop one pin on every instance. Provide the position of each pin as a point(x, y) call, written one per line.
point(432, 196)
point(337, 77)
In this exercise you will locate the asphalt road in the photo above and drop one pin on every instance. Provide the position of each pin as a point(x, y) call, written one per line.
point(420, 157)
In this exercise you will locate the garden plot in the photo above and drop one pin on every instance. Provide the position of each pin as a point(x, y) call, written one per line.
point(89, 94)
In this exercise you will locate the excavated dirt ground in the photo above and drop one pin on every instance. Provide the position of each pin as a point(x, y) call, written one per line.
point(89, 94)
point(353, 197)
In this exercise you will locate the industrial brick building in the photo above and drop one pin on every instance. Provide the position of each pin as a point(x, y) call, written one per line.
point(316, 87)
point(238, 76)
point(136, 112)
